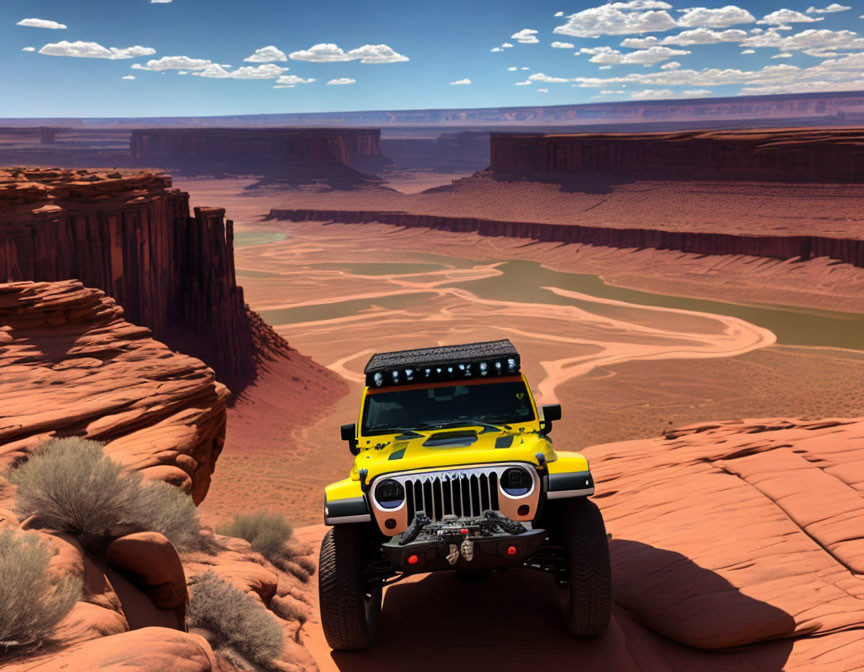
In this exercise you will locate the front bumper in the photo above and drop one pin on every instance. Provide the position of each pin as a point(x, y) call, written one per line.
point(462, 544)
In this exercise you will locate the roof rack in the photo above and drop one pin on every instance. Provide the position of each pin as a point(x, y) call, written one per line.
point(448, 362)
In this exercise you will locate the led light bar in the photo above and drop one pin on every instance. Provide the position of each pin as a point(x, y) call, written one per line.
point(449, 362)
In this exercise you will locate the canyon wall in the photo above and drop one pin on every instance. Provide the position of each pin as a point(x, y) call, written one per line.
point(850, 251)
point(799, 155)
point(132, 236)
point(271, 146)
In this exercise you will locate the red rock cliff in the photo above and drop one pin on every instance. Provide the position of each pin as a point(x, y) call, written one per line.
point(132, 236)
point(820, 155)
point(347, 146)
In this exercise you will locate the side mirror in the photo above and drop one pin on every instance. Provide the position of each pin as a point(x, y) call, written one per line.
point(551, 413)
point(349, 434)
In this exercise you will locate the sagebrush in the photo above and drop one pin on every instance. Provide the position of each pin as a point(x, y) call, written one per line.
point(232, 620)
point(32, 600)
point(71, 485)
point(266, 532)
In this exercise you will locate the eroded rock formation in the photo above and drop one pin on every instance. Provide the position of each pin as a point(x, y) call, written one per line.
point(131, 235)
point(799, 155)
point(73, 366)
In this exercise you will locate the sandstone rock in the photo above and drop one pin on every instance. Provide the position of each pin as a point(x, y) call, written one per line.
point(147, 650)
point(152, 560)
point(102, 378)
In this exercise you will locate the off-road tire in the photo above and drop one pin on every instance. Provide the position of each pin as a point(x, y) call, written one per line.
point(587, 602)
point(349, 616)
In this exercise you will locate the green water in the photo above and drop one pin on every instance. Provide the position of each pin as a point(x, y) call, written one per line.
point(524, 281)
point(384, 268)
point(258, 238)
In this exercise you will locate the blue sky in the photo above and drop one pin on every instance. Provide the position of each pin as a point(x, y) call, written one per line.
point(188, 57)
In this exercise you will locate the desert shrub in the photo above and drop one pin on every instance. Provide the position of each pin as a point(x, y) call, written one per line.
point(267, 532)
point(71, 485)
point(32, 601)
point(232, 620)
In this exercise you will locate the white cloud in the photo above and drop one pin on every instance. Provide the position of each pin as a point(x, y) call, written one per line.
point(730, 15)
point(783, 55)
point(563, 45)
point(527, 82)
point(269, 54)
point(128, 77)
point(41, 23)
point(748, 51)
point(332, 53)
point(265, 71)
point(807, 39)
point(830, 9)
point(540, 77)
point(174, 63)
point(619, 18)
point(651, 94)
point(558, 14)
point(650, 56)
point(341, 81)
point(671, 65)
point(605, 67)
point(784, 16)
point(525, 36)
point(705, 36)
point(697, 93)
point(542, 90)
point(461, 82)
point(525, 68)
point(28, 49)
point(496, 49)
point(290, 81)
point(512, 68)
point(506, 45)
point(94, 50)
point(161, 2)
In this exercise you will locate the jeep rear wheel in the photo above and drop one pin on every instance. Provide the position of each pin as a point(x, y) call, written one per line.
point(349, 611)
point(587, 601)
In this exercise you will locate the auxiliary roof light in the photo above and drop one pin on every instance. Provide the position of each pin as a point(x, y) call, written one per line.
point(409, 375)
point(379, 379)
point(511, 365)
point(484, 368)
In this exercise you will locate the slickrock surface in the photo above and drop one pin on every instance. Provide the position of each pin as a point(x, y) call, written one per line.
point(735, 545)
point(785, 154)
point(70, 365)
point(132, 236)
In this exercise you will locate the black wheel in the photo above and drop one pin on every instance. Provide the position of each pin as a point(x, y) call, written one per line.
point(587, 601)
point(349, 612)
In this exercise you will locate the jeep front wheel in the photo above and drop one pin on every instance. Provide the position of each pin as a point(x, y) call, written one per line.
point(349, 611)
point(587, 601)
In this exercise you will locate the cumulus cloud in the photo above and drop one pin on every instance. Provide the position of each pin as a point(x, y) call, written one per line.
point(128, 77)
point(290, 81)
point(461, 82)
point(28, 49)
point(525, 68)
point(41, 23)
point(646, 57)
point(671, 65)
point(495, 50)
point(542, 90)
point(506, 45)
point(527, 82)
point(269, 54)
point(619, 18)
point(341, 81)
point(94, 50)
point(830, 9)
point(265, 71)
point(161, 2)
point(546, 79)
point(525, 36)
point(783, 16)
point(512, 68)
point(783, 55)
point(730, 15)
point(332, 53)
point(810, 39)
point(651, 94)
point(558, 14)
point(563, 45)
point(747, 52)
point(174, 63)
point(705, 36)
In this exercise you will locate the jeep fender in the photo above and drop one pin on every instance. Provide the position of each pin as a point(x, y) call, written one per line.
point(569, 476)
point(345, 502)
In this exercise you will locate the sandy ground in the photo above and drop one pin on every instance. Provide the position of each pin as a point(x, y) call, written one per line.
point(620, 373)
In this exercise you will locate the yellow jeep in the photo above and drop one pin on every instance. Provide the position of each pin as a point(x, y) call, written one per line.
point(455, 470)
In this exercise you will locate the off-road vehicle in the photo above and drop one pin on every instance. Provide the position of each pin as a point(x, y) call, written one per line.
point(455, 470)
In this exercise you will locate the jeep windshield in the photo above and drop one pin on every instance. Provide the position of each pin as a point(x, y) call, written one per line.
point(443, 405)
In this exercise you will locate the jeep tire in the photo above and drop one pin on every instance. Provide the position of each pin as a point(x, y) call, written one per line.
point(349, 612)
point(587, 601)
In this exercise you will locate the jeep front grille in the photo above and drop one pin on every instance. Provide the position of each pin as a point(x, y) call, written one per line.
point(460, 493)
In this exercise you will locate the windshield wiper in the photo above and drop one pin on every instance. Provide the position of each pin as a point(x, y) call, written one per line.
point(472, 422)
point(401, 431)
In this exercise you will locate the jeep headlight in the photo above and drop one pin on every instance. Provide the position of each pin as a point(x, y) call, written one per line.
point(389, 494)
point(516, 481)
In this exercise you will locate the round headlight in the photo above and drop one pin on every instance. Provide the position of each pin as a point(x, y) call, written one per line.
point(516, 481)
point(390, 494)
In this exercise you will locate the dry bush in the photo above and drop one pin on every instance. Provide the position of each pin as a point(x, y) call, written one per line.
point(71, 485)
point(233, 622)
point(266, 532)
point(32, 600)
